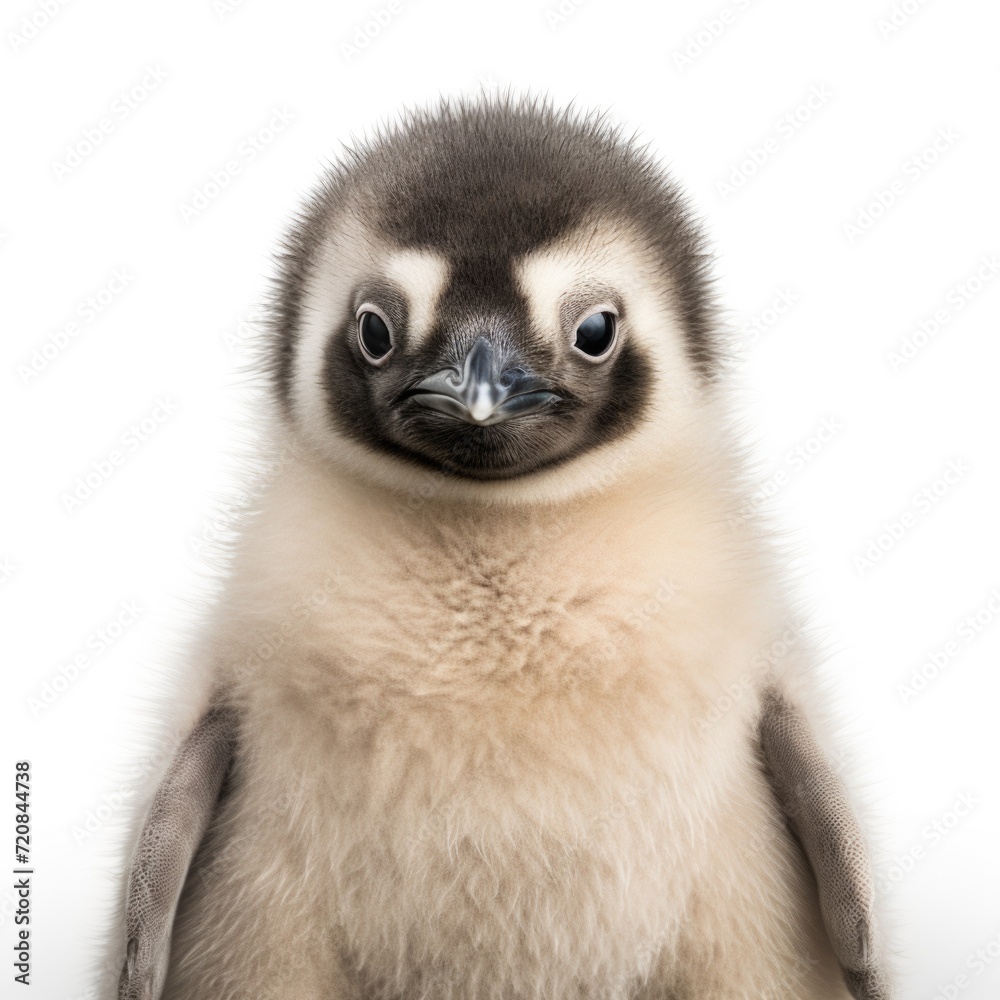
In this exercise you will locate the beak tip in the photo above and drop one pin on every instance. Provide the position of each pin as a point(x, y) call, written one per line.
point(481, 403)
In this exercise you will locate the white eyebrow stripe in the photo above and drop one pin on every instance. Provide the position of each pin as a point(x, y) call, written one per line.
point(422, 276)
point(607, 259)
point(597, 254)
point(544, 278)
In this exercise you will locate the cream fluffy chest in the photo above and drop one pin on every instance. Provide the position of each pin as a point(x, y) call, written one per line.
point(506, 782)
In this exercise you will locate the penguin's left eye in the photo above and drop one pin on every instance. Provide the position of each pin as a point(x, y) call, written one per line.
point(374, 336)
point(595, 336)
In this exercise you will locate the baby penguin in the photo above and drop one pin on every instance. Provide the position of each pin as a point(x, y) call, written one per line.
point(507, 699)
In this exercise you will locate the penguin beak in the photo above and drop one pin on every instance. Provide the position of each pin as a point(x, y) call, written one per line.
point(485, 392)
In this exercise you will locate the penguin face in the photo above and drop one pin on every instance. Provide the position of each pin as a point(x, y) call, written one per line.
point(479, 373)
point(481, 297)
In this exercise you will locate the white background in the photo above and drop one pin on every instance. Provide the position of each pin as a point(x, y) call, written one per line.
point(173, 333)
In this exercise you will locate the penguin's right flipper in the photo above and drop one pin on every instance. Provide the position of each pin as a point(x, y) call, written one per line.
point(179, 815)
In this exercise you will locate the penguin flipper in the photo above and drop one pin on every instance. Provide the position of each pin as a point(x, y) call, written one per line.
point(816, 805)
point(178, 817)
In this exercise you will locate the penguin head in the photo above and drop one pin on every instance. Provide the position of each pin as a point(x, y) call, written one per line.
point(494, 293)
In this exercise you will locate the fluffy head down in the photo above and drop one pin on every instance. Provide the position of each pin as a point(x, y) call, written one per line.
point(504, 297)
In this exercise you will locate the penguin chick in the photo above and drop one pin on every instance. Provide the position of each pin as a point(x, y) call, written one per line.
point(508, 703)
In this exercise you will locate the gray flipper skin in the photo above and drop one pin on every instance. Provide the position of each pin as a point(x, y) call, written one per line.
point(179, 815)
point(816, 804)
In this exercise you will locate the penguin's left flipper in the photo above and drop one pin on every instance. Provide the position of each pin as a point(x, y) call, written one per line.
point(815, 802)
point(179, 815)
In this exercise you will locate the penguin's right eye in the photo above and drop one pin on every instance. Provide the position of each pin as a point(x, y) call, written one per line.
point(374, 336)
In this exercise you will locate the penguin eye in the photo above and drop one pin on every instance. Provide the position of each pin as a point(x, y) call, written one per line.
point(596, 335)
point(374, 336)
